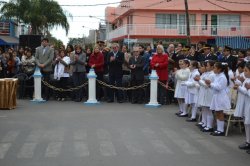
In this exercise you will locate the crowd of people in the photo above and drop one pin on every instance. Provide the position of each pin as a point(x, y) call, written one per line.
point(203, 77)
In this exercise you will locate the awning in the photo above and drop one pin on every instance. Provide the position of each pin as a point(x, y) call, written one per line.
point(8, 40)
point(236, 42)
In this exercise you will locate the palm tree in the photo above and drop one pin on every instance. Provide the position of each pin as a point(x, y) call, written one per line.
point(41, 15)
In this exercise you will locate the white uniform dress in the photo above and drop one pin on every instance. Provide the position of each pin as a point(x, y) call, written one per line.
point(240, 98)
point(220, 100)
point(205, 93)
point(181, 76)
point(192, 88)
point(247, 106)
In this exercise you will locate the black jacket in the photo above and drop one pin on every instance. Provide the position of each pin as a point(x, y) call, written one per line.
point(231, 61)
point(137, 73)
point(115, 67)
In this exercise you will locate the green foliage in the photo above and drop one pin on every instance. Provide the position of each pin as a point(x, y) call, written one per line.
point(42, 15)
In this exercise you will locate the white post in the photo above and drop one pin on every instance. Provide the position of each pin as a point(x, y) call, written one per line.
point(153, 90)
point(37, 86)
point(92, 88)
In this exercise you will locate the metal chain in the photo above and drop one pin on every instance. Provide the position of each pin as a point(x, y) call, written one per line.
point(64, 90)
point(104, 84)
point(164, 86)
point(123, 88)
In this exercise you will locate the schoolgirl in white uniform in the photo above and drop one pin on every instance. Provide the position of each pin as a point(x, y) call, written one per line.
point(240, 78)
point(181, 76)
point(245, 89)
point(220, 100)
point(205, 97)
point(191, 94)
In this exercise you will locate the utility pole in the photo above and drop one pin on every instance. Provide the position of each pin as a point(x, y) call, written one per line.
point(187, 22)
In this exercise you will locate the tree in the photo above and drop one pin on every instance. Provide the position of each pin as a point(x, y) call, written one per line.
point(41, 15)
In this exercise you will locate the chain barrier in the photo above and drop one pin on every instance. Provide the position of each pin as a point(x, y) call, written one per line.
point(104, 84)
point(164, 86)
point(123, 88)
point(64, 90)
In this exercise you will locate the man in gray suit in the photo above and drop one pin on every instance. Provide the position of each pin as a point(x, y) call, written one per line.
point(44, 57)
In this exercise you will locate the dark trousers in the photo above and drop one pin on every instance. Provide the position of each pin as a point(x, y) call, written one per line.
point(78, 79)
point(99, 90)
point(46, 90)
point(62, 83)
point(162, 93)
point(137, 94)
point(116, 81)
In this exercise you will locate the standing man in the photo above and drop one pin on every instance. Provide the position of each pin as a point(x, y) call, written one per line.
point(207, 54)
point(146, 57)
point(229, 59)
point(115, 61)
point(44, 57)
point(136, 63)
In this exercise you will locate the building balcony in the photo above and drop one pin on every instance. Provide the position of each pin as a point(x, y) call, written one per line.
point(159, 30)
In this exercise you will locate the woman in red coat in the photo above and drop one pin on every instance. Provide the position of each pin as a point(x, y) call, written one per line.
point(96, 62)
point(159, 63)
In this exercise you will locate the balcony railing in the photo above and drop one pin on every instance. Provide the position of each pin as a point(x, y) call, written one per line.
point(179, 30)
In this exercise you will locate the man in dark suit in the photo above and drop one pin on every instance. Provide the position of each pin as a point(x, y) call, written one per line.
point(207, 53)
point(229, 59)
point(115, 61)
point(136, 63)
point(44, 57)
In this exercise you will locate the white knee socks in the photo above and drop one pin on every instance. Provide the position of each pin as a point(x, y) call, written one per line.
point(180, 102)
point(210, 119)
point(184, 108)
point(247, 129)
point(204, 115)
point(194, 111)
point(220, 125)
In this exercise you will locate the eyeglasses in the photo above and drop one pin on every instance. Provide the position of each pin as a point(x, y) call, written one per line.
point(135, 51)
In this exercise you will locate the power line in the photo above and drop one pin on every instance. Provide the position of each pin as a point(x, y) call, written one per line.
point(157, 3)
point(224, 7)
point(100, 4)
point(242, 3)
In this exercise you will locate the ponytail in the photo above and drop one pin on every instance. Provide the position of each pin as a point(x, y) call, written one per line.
point(224, 68)
point(226, 73)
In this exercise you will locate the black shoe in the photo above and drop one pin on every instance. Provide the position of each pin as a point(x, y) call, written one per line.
point(134, 102)
point(178, 113)
point(248, 151)
point(245, 146)
point(199, 124)
point(120, 101)
point(77, 100)
point(205, 129)
point(186, 115)
point(110, 101)
point(140, 102)
point(191, 120)
point(218, 133)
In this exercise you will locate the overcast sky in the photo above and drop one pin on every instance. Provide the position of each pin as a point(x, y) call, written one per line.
point(76, 23)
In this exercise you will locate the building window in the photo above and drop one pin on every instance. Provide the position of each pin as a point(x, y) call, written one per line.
point(192, 21)
point(168, 21)
point(204, 21)
point(229, 21)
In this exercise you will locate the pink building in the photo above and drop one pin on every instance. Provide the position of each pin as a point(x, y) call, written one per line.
point(149, 21)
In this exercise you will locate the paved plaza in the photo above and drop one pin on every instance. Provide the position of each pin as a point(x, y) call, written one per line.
point(72, 134)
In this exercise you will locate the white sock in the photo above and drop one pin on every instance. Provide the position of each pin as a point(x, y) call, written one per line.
point(184, 108)
point(247, 129)
point(220, 125)
point(210, 118)
point(203, 115)
point(194, 111)
point(180, 104)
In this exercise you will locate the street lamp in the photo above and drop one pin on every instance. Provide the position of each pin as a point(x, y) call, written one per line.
point(95, 30)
